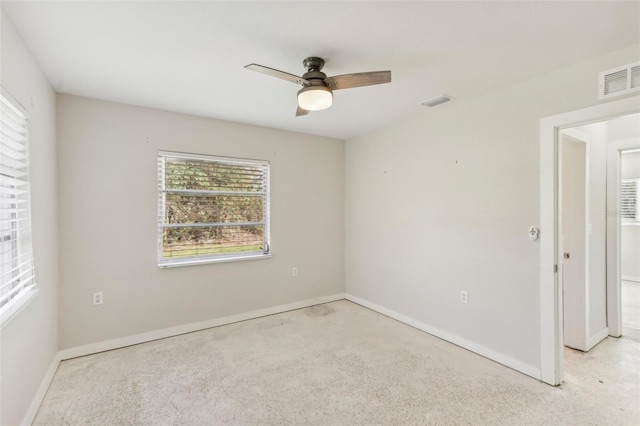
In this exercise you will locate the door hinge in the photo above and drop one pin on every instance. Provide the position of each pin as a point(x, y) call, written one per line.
point(555, 269)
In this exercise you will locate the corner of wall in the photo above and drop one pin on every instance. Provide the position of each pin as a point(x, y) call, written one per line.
point(30, 340)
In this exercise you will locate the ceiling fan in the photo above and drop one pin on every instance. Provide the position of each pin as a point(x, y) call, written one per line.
point(317, 91)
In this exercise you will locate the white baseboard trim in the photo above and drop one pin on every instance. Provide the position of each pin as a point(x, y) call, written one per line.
point(122, 342)
point(597, 338)
point(498, 357)
point(630, 278)
point(41, 392)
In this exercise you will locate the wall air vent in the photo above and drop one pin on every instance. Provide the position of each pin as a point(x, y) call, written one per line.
point(619, 81)
point(437, 100)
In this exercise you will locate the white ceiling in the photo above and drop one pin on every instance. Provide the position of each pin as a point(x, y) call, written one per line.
point(189, 56)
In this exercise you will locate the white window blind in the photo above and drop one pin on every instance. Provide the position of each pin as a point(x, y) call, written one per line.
point(17, 278)
point(211, 209)
point(629, 191)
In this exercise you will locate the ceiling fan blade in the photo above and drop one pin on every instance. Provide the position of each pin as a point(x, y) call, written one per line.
point(301, 112)
point(348, 81)
point(279, 74)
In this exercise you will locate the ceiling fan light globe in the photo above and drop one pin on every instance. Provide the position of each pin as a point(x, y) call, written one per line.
point(315, 98)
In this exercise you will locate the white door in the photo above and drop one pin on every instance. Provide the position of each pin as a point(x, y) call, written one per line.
point(573, 197)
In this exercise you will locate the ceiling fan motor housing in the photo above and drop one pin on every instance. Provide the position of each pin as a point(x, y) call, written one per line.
point(313, 63)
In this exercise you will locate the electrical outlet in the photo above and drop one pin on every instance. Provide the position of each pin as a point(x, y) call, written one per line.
point(294, 271)
point(464, 296)
point(97, 298)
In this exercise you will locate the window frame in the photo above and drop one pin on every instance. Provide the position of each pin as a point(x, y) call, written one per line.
point(211, 258)
point(23, 270)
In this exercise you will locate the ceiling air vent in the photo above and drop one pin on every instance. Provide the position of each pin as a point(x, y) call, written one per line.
point(619, 81)
point(437, 100)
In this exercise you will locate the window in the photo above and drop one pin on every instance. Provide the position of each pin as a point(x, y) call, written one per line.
point(629, 209)
point(17, 279)
point(211, 209)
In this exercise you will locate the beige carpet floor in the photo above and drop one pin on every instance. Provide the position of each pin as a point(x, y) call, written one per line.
point(339, 364)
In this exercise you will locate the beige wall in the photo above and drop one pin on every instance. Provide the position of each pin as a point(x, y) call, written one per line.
point(29, 342)
point(108, 218)
point(441, 202)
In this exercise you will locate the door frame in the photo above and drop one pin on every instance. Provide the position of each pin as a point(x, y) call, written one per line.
point(551, 339)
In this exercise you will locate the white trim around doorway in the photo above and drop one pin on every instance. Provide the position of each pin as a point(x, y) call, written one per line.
point(551, 339)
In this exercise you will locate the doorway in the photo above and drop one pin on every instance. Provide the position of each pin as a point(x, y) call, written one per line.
point(591, 171)
point(551, 301)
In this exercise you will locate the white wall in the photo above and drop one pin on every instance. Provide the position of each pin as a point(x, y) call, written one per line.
point(597, 298)
point(598, 238)
point(30, 340)
point(108, 219)
point(442, 201)
point(627, 127)
point(630, 234)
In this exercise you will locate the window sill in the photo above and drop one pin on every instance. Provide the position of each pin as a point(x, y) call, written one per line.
point(191, 262)
point(16, 305)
